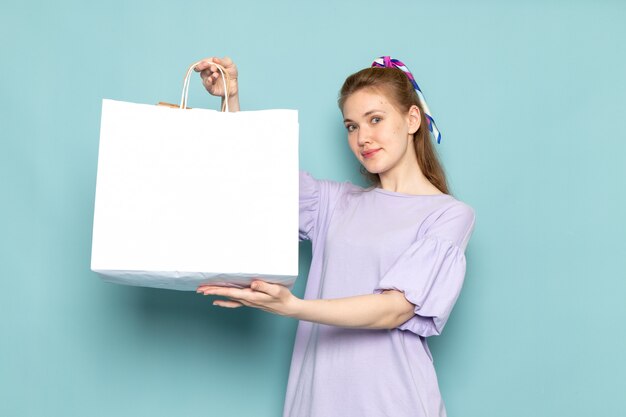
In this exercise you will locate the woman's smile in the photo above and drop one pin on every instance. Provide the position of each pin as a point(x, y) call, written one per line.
point(367, 154)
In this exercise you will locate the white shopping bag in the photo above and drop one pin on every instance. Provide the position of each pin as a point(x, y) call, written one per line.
point(191, 196)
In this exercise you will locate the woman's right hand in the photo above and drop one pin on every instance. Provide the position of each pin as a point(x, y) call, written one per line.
point(212, 79)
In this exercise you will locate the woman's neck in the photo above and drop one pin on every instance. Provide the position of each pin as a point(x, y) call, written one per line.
point(407, 179)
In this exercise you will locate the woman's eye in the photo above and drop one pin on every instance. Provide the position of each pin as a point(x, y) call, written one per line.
point(376, 120)
point(350, 128)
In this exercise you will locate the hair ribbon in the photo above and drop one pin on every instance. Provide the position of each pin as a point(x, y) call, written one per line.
point(388, 62)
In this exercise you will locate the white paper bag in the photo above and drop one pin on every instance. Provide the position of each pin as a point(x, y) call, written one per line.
point(191, 196)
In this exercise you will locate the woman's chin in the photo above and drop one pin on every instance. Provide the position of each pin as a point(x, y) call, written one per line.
point(373, 168)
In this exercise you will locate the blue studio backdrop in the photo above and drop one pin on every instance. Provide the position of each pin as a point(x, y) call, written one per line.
point(529, 96)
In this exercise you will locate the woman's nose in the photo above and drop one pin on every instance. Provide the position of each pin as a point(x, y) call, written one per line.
point(363, 136)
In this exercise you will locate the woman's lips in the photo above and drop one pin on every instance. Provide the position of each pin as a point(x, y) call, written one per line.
point(369, 153)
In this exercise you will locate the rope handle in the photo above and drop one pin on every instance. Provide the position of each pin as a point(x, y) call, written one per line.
point(225, 80)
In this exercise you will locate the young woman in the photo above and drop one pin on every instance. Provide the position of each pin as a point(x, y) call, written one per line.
point(388, 261)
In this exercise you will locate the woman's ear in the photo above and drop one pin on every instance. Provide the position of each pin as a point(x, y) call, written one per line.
point(414, 119)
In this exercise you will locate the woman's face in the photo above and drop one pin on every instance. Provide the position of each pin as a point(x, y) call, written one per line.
point(380, 136)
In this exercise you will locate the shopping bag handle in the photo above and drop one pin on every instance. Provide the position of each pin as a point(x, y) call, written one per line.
point(225, 80)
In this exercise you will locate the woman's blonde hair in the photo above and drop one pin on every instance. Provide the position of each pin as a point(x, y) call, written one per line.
point(395, 85)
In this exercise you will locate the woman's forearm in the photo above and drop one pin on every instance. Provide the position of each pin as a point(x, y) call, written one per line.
point(387, 310)
point(375, 311)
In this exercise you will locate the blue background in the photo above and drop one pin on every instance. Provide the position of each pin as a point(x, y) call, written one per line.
point(530, 99)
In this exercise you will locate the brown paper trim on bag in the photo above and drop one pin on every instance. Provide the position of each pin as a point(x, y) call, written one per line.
point(173, 106)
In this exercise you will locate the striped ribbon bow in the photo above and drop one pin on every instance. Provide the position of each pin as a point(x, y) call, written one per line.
point(388, 62)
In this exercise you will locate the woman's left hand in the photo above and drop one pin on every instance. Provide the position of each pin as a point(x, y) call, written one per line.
point(272, 298)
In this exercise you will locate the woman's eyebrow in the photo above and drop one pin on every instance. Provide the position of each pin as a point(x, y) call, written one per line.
point(367, 113)
point(373, 111)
